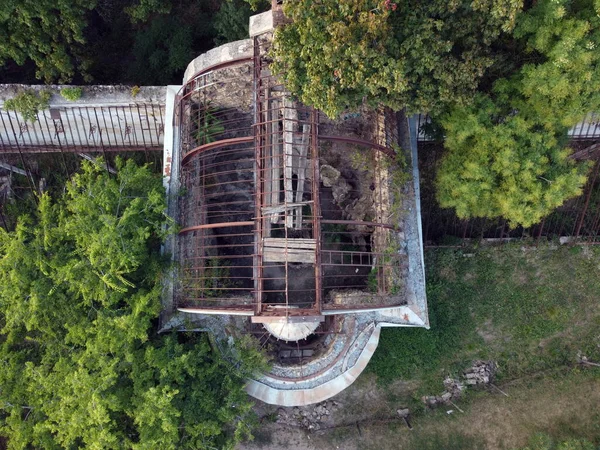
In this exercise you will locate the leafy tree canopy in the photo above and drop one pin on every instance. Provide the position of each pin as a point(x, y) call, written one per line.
point(504, 165)
point(337, 54)
point(49, 32)
point(79, 292)
point(506, 154)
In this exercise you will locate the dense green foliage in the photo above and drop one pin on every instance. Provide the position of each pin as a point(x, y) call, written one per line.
point(161, 50)
point(28, 103)
point(232, 20)
point(506, 154)
point(81, 364)
point(421, 55)
point(504, 165)
point(111, 42)
point(49, 32)
point(71, 93)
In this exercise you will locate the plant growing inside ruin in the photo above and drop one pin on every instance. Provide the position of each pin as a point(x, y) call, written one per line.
point(212, 281)
point(28, 103)
point(71, 93)
point(135, 90)
point(209, 126)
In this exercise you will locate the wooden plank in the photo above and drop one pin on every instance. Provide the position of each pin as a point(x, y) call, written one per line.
point(268, 163)
point(290, 118)
point(282, 208)
point(302, 160)
point(290, 243)
point(275, 159)
point(274, 254)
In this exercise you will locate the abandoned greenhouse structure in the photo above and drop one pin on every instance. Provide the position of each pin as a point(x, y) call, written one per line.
point(301, 230)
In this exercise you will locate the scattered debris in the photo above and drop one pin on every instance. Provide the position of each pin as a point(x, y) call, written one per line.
point(312, 418)
point(582, 359)
point(481, 372)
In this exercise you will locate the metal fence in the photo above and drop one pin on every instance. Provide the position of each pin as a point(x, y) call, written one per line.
point(578, 218)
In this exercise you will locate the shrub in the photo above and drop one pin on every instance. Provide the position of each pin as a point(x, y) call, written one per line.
point(71, 93)
point(28, 103)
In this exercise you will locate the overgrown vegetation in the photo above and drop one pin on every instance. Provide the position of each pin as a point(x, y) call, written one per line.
point(421, 55)
point(505, 80)
point(79, 298)
point(506, 153)
point(28, 103)
point(71, 93)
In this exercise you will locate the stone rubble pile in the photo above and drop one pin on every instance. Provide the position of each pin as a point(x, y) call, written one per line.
point(452, 392)
point(480, 373)
point(313, 417)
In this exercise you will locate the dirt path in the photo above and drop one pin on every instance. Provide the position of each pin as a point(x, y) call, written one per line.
point(564, 407)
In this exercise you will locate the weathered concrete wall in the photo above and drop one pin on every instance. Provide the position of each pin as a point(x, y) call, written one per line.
point(261, 23)
point(92, 95)
point(105, 117)
point(219, 55)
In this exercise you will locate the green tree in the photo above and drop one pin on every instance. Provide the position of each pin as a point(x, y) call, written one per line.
point(505, 153)
point(231, 21)
point(48, 32)
point(499, 165)
point(422, 55)
point(161, 50)
point(81, 366)
point(143, 9)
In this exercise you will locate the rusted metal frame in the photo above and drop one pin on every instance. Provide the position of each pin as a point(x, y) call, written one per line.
point(576, 210)
point(161, 126)
point(149, 126)
point(356, 141)
point(258, 181)
point(102, 143)
point(135, 136)
point(595, 226)
point(68, 124)
point(215, 225)
point(587, 199)
point(222, 65)
point(60, 147)
point(228, 247)
point(226, 172)
point(124, 133)
point(217, 194)
point(358, 222)
point(316, 215)
point(225, 309)
point(25, 165)
point(202, 88)
point(334, 307)
point(94, 137)
point(216, 144)
point(72, 149)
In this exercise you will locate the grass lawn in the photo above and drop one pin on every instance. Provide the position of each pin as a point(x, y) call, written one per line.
point(531, 309)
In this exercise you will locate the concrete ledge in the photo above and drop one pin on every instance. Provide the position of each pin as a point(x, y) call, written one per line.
point(92, 96)
point(261, 23)
point(222, 54)
point(302, 397)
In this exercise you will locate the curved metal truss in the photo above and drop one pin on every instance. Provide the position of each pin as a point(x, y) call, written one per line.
point(283, 211)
